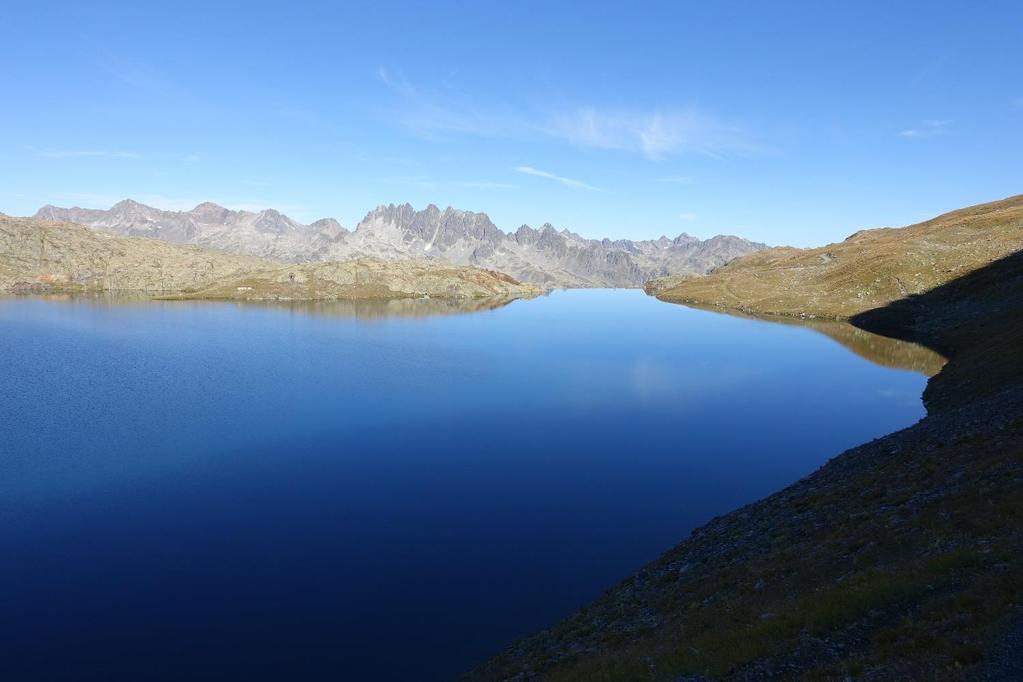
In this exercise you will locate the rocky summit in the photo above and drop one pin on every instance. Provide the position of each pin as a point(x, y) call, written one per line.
point(397, 232)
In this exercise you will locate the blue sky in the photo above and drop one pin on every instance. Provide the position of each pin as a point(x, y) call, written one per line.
point(784, 122)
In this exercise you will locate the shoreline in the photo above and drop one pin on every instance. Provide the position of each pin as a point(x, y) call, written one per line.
point(897, 558)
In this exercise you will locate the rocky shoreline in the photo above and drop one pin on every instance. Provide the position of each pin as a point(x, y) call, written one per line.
point(898, 559)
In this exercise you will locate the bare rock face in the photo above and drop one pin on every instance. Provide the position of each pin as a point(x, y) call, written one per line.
point(267, 234)
point(40, 256)
point(545, 255)
point(397, 232)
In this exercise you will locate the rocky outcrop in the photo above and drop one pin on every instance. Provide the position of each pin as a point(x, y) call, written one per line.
point(392, 232)
point(367, 279)
point(38, 256)
point(55, 256)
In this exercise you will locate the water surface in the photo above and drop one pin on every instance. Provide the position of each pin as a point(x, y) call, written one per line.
point(210, 490)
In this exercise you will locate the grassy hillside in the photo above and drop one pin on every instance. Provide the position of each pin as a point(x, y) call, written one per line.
point(39, 256)
point(899, 559)
point(366, 279)
point(869, 269)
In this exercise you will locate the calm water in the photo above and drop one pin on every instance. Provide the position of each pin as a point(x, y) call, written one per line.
point(211, 490)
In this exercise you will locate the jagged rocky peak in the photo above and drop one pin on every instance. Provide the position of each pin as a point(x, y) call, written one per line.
point(209, 212)
point(526, 235)
point(270, 220)
point(394, 214)
point(730, 241)
point(129, 206)
point(328, 225)
point(550, 239)
point(131, 209)
point(434, 226)
point(50, 212)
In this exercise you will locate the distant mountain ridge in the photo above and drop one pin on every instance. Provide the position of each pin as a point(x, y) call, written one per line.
point(543, 256)
point(267, 234)
point(41, 256)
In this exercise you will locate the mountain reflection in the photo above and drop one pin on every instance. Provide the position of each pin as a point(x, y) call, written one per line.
point(881, 350)
point(398, 307)
point(361, 308)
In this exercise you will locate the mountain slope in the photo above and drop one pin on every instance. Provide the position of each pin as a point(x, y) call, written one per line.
point(267, 234)
point(41, 256)
point(393, 232)
point(366, 279)
point(869, 269)
point(44, 255)
point(898, 559)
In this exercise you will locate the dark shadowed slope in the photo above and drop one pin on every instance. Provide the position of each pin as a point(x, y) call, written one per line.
point(899, 559)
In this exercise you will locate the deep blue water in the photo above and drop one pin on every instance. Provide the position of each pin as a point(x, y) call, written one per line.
point(213, 491)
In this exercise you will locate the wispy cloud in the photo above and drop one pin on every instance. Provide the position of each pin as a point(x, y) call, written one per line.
point(384, 159)
point(427, 182)
point(656, 135)
point(675, 180)
point(568, 182)
point(144, 79)
point(137, 82)
point(928, 128)
point(688, 217)
point(423, 181)
point(433, 114)
point(485, 184)
point(86, 153)
point(52, 153)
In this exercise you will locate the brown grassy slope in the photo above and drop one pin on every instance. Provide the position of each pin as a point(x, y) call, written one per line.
point(899, 559)
point(868, 270)
point(367, 279)
point(41, 256)
point(44, 255)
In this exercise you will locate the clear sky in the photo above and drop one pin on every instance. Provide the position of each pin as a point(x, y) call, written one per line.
point(784, 122)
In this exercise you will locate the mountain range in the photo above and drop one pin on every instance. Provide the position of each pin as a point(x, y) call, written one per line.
point(48, 257)
point(543, 256)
